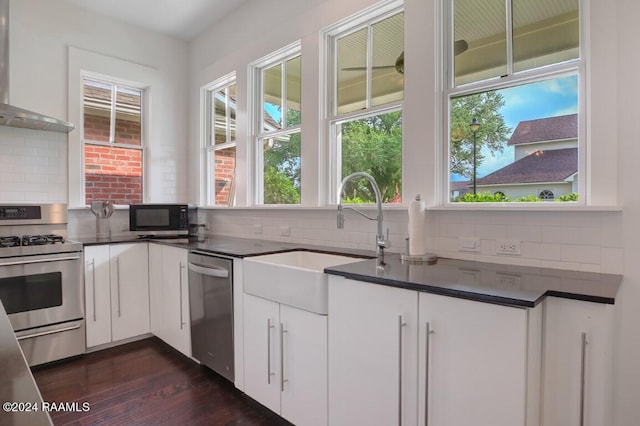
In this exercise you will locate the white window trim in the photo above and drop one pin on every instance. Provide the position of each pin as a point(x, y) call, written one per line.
point(578, 67)
point(144, 120)
point(207, 196)
point(85, 63)
point(255, 111)
point(329, 36)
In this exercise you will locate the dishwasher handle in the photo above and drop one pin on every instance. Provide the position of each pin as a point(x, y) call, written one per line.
point(211, 271)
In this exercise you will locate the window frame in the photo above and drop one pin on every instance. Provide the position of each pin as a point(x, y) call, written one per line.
point(208, 145)
point(144, 122)
point(256, 117)
point(578, 67)
point(332, 119)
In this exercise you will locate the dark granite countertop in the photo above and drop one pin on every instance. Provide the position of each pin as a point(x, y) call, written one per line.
point(485, 282)
point(16, 382)
point(229, 246)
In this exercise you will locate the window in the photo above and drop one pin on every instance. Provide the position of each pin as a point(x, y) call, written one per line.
point(113, 140)
point(366, 92)
point(277, 127)
point(546, 194)
point(221, 141)
point(513, 93)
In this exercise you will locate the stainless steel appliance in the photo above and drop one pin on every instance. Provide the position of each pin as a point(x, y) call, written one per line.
point(41, 283)
point(159, 219)
point(211, 306)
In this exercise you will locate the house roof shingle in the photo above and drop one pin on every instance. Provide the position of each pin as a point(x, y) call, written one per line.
point(545, 129)
point(541, 166)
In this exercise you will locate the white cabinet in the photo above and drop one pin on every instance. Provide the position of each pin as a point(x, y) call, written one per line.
point(577, 363)
point(472, 365)
point(480, 357)
point(116, 292)
point(169, 287)
point(285, 363)
point(373, 333)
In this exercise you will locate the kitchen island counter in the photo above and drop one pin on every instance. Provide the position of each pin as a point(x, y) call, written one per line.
point(16, 383)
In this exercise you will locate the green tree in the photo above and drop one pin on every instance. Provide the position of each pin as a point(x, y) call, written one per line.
point(492, 134)
point(282, 166)
point(373, 145)
point(278, 189)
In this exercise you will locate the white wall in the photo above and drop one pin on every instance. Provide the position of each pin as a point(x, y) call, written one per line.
point(597, 241)
point(41, 32)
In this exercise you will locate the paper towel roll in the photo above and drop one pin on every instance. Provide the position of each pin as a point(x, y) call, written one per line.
point(417, 237)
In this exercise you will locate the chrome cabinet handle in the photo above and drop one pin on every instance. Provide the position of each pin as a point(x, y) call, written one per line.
point(93, 271)
point(182, 323)
point(401, 325)
point(583, 368)
point(428, 334)
point(269, 373)
point(282, 379)
point(118, 281)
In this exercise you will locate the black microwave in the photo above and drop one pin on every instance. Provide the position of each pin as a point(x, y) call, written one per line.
point(158, 219)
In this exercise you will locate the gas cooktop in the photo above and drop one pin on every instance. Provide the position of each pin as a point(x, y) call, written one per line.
point(30, 240)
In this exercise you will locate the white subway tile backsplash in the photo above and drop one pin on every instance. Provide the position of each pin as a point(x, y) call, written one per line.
point(567, 240)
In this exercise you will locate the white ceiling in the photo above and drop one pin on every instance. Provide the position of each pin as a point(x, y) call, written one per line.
point(183, 19)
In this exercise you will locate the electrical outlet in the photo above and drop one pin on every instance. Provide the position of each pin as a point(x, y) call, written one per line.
point(257, 228)
point(285, 231)
point(508, 280)
point(511, 247)
point(469, 244)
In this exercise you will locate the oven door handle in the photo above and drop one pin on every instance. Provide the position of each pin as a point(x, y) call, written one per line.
point(27, 262)
point(44, 333)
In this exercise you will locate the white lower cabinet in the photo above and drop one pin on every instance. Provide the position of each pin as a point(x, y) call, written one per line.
point(577, 363)
point(479, 364)
point(169, 296)
point(373, 337)
point(285, 360)
point(116, 292)
point(473, 363)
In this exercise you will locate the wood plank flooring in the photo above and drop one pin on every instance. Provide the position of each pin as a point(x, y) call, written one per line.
point(146, 383)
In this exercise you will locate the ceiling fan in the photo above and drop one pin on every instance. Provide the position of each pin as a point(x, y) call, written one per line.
point(459, 46)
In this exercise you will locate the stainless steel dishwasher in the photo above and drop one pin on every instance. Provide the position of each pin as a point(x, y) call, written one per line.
point(211, 305)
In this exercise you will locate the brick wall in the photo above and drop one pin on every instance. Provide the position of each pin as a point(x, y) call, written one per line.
point(225, 164)
point(113, 174)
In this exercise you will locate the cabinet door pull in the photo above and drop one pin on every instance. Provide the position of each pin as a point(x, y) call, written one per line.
point(93, 272)
point(182, 323)
point(428, 333)
point(282, 379)
point(583, 368)
point(269, 373)
point(401, 324)
point(118, 281)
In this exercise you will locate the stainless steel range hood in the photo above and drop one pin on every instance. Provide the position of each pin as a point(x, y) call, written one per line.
point(10, 115)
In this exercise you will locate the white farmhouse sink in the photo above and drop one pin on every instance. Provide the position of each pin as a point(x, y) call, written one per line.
point(295, 278)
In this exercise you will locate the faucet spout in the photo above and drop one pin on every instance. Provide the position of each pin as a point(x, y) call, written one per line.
point(381, 241)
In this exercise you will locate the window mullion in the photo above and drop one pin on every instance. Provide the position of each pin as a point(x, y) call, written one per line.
point(369, 66)
point(283, 101)
point(227, 115)
point(509, 36)
point(112, 122)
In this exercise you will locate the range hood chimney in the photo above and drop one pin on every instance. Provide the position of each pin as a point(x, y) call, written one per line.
point(10, 115)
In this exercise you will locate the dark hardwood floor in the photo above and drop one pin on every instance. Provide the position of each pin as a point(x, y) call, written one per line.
point(146, 383)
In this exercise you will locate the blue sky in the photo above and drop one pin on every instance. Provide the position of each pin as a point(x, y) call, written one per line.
point(544, 99)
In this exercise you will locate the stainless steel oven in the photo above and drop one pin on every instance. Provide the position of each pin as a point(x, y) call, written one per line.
point(41, 288)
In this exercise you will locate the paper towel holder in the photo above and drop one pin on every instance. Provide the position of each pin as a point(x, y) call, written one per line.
point(428, 258)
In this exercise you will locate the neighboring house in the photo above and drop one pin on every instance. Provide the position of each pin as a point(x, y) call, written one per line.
point(459, 188)
point(545, 160)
